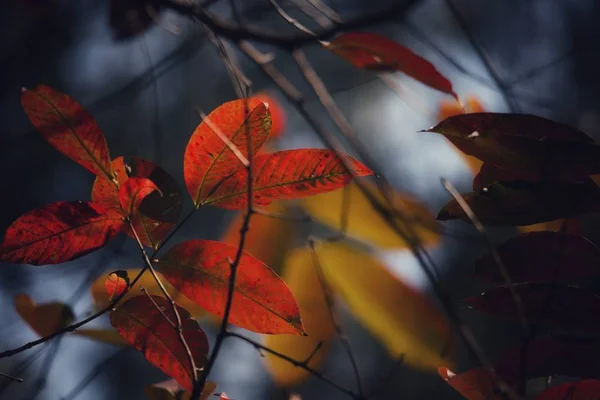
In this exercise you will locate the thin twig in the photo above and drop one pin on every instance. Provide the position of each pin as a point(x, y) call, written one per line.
point(389, 377)
point(12, 378)
point(291, 20)
point(326, 10)
point(309, 10)
point(234, 149)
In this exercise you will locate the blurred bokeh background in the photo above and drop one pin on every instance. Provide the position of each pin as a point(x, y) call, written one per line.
point(531, 56)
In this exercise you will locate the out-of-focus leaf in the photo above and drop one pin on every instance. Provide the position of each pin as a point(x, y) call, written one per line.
point(374, 52)
point(262, 302)
point(158, 212)
point(543, 257)
point(67, 126)
point(208, 159)
point(44, 319)
point(129, 18)
point(116, 283)
point(571, 225)
point(268, 238)
point(567, 307)
point(59, 232)
point(581, 390)
point(101, 298)
point(102, 335)
point(364, 223)
point(284, 175)
point(278, 115)
point(474, 384)
point(519, 204)
point(302, 278)
point(403, 319)
point(171, 390)
point(145, 327)
point(549, 356)
point(133, 192)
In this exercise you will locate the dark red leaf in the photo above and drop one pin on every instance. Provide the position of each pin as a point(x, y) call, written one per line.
point(133, 192)
point(565, 307)
point(208, 159)
point(544, 256)
point(59, 232)
point(262, 302)
point(285, 175)
point(145, 327)
point(521, 203)
point(490, 173)
point(67, 126)
point(474, 384)
point(157, 214)
point(374, 52)
point(581, 390)
point(116, 283)
point(129, 18)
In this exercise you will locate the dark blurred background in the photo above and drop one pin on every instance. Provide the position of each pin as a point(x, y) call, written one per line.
point(532, 56)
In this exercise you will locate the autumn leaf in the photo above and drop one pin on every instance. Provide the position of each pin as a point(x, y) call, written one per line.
point(171, 390)
point(581, 390)
point(44, 319)
point(520, 204)
point(101, 297)
point(364, 223)
point(208, 159)
point(262, 302)
point(159, 211)
point(377, 53)
point(543, 257)
point(285, 175)
point(278, 115)
point(145, 327)
point(301, 276)
point(474, 384)
point(101, 335)
point(403, 319)
point(566, 307)
point(59, 232)
point(133, 192)
point(68, 127)
point(116, 283)
point(570, 225)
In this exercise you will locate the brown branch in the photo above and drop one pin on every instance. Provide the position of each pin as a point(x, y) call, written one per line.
point(292, 21)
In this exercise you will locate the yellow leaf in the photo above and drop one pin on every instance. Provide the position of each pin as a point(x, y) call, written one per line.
point(44, 319)
point(170, 390)
point(403, 319)
point(101, 298)
point(109, 336)
point(301, 277)
point(365, 223)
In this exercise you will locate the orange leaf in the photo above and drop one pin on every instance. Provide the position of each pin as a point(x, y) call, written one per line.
point(581, 390)
point(286, 174)
point(146, 328)
point(278, 116)
point(158, 212)
point(262, 302)
point(374, 52)
point(44, 319)
point(67, 126)
point(208, 159)
point(59, 232)
point(116, 283)
point(474, 384)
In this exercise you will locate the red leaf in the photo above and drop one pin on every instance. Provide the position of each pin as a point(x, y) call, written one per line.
point(544, 256)
point(566, 307)
point(157, 213)
point(59, 232)
point(374, 52)
point(133, 192)
point(262, 302)
point(278, 116)
point(208, 159)
point(67, 126)
point(581, 390)
point(490, 173)
point(474, 384)
point(145, 327)
point(116, 283)
point(286, 174)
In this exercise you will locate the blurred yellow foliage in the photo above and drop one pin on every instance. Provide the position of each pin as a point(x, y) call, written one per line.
point(44, 319)
point(110, 336)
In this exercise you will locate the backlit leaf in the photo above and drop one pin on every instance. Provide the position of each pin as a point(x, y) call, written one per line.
point(278, 115)
point(44, 319)
point(171, 390)
point(262, 302)
point(102, 300)
point(403, 319)
point(67, 126)
point(374, 52)
point(208, 159)
point(285, 175)
point(102, 335)
point(543, 257)
point(566, 307)
point(581, 390)
point(519, 204)
point(145, 327)
point(116, 283)
point(59, 232)
point(158, 212)
point(364, 223)
point(133, 192)
point(474, 384)
point(301, 276)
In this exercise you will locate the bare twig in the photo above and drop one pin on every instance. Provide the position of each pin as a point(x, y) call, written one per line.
point(309, 10)
point(326, 10)
point(234, 149)
point(12, 378)
point(290, 19)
